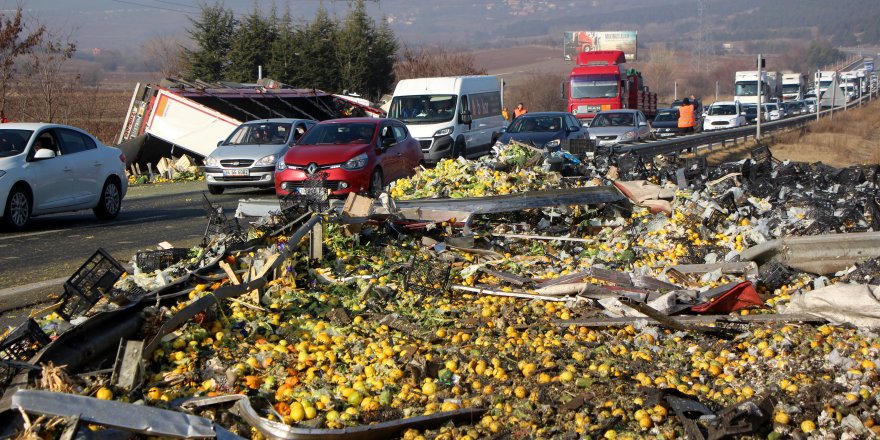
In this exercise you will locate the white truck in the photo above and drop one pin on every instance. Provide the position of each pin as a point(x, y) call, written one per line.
point(793, 86)
point(746, 86)
point(826, 77)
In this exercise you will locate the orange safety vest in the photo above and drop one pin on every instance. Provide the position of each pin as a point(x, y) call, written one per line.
point(686, 118)
point(517, 112)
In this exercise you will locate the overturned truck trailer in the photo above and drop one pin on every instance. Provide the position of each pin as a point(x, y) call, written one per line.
point(193, 116)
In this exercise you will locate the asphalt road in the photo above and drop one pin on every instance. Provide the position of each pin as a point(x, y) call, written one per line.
point(35, 263)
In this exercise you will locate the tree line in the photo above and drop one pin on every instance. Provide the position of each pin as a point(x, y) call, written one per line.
point(353, 53)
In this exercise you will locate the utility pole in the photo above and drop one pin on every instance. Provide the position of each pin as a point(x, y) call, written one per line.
point(716, 91)
point(760, 91)
point(818, 93)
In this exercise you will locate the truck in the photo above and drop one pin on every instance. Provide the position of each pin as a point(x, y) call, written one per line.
point(192, 116)
point(746, 86)
point(793, 86)
point(601, 80)
point(826, 78)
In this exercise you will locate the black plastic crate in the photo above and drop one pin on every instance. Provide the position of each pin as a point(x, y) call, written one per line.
point(579, 147)
point(219, 224)
point(89, 284)
point(149, 261)
point(427, 276)
point(20, 344)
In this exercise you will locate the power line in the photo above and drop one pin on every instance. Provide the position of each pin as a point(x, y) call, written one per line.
point(178, 4)
point(153, 6)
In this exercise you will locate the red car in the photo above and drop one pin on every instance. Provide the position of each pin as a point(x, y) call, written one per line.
point(357, 154)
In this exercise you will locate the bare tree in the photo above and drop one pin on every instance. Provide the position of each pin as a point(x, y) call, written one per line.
point(166, 53)
point(424, 63)
point(662, 70)
point(15, 40)
point(538, 91)
point(46, 64)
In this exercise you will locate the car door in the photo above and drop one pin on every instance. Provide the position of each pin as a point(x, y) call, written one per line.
point(52, 180)
point(87, 167)
point(470, 131)
point(409, 150)
point(391, 157)
point(643, 127)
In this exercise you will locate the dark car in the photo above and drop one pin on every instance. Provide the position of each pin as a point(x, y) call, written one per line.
point(544, 130)
point(666, 122)
point(350, 155)
point(751, 113)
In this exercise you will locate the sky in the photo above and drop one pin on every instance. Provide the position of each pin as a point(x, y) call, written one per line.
point(119, 24)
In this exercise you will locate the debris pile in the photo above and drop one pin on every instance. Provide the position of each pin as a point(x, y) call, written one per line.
point(620, 319)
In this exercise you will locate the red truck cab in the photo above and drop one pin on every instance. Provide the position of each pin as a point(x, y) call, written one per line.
point(601, 81)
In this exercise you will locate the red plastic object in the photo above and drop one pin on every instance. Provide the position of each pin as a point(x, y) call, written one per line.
point(741, 296)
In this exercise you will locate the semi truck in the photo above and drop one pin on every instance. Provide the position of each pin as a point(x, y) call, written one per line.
point(793, 85)
point(826, 77)
point(601, 80)
point(746, 86)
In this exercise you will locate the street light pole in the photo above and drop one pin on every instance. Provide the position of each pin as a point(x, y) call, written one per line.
point(760, 110)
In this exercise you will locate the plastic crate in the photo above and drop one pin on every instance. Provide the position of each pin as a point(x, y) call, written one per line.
point(149, 261)
point(20, 344)
point(427, 276)
point(89, 283)
point(580, 147)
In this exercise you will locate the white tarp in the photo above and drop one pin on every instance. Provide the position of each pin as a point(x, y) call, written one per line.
point(857, 304)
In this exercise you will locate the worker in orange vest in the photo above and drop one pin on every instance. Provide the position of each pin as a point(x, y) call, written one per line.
point(686, 118)
point(519, 110)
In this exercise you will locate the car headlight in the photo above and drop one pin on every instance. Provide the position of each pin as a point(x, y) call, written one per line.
point(266, 160)
point(357, 162)
point(280, 165)
point(628, 135)
point(212, 161)
point(552, 144)
point(443, 132)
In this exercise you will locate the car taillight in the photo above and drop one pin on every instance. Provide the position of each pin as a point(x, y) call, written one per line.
point(122, 157)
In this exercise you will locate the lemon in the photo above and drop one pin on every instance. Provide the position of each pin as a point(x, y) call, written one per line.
point(781, 418)
point(104, 394)
point(429, 388)
point(808, 426)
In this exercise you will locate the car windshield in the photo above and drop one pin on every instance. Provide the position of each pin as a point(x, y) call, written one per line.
point(594, 86)
point(751, 110)
point(339, 133)
point(423, 109)
point(666, 116)
point(613, 120)
point(263, 133)
point(13, 142)
point(722, 110)
point(536, 123)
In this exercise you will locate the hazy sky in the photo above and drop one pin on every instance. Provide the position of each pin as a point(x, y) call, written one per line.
point(116, 24)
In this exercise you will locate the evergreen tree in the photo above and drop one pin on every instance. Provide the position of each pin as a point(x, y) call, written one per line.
point(283, 54)
point(381, 70)
point(251, 46)
point(354, 49)
point(317, 64)
point(212, 32)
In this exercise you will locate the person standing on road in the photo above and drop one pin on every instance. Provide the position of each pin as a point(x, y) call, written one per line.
point(519, 110)
point(505, 114)
point(686, 118)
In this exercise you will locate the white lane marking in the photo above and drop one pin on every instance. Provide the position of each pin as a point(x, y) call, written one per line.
point(124, 222)
point(31, 234)
point(17, 290)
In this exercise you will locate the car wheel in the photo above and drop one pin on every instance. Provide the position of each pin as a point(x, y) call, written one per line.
point(376, 185)
point(18, 209)
point(214, 189)
point(110, 201)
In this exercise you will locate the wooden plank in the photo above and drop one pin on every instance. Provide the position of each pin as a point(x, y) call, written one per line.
point(509, 277)
point(233, 278)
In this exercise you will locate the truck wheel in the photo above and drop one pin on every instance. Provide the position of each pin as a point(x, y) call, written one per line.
point(214, 189)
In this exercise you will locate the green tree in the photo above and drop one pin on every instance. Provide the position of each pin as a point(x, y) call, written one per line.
point(213, 33)
point(381, 72)
point(14, 42)
point(354, 49)
point(284, 50)
point(317, 65)
point(251, 46)
point(821, 53)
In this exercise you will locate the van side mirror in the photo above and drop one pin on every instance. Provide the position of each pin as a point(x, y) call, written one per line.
point(466, 117)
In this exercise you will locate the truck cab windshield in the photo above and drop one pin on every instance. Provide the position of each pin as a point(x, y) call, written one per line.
point(594, 86)
point(746, 88)
point(423, 109)
point(790, 88)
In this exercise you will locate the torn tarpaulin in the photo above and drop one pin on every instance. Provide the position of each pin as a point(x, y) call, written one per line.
point(741, 296)
point(856, 304)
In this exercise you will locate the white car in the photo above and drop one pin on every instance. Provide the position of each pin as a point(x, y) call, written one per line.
point(49, 168)
point(724, 114)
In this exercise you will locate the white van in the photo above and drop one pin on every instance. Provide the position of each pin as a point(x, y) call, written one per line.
point(450, 116)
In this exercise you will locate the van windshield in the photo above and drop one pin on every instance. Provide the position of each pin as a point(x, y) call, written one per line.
point(423, 109)
point(722, 110)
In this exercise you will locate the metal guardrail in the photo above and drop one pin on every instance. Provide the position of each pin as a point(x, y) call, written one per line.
point(676, 145)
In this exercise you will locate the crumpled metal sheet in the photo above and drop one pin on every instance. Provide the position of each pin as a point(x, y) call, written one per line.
point(821, 254)
point(125, 416)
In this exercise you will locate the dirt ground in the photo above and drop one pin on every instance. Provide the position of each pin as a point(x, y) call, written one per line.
point(851, 138)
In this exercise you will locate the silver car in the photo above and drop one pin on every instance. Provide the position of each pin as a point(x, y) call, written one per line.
point(247, 157)
point(611, 127)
